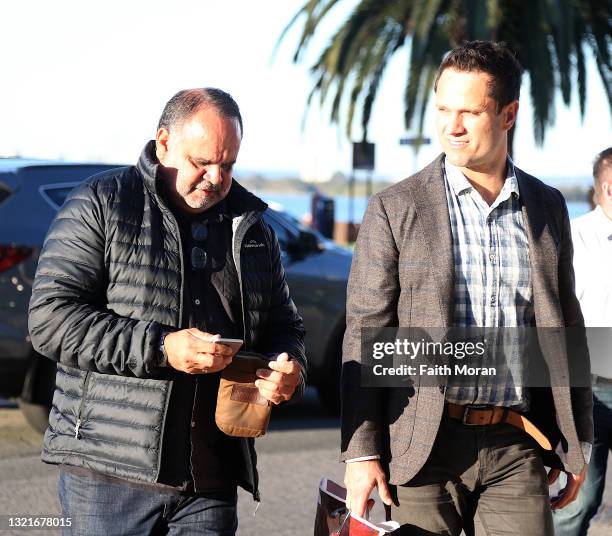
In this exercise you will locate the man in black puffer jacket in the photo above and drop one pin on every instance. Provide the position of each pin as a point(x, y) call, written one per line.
point(142, 270)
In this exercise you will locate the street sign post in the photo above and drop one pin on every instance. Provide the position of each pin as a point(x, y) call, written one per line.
point(415, 141)
point(363, 156)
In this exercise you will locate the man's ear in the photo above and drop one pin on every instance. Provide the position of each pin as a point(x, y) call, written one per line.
point(162, 138)
point(509, 113)
point(606, 188)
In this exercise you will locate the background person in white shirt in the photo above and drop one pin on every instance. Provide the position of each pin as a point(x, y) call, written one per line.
point(592, 238)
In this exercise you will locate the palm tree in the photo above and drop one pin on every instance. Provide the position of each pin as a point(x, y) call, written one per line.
point(548, 36)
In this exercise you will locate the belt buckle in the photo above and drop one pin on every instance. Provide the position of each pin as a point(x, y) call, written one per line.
point(466, 413)
point(468, 409)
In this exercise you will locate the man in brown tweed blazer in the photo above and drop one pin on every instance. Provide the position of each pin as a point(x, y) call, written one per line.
point(470, 240)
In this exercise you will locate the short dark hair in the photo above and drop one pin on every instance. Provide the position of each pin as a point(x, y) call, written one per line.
point(495, 59)
point(188, 101)
point(602, 161)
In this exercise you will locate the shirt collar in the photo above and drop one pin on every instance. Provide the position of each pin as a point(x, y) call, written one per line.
point(459, 183)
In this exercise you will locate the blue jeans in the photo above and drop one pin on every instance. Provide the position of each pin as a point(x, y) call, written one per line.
point(115, 509)
point(574, 519)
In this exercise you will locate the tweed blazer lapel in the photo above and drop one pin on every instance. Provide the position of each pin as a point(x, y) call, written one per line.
point(429, 194)
point(544, 260)
point(544, 243)
point(543, 254)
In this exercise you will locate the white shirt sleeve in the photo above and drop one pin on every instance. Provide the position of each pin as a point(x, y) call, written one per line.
point(363, 459)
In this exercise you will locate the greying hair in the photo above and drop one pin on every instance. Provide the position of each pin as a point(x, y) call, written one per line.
point(188, 101)
point(495, 59)
point(602, 161)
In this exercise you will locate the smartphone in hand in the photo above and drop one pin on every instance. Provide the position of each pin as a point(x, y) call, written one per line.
point(234, 344)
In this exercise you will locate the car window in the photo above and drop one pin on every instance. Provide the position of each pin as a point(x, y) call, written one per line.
point(297, 226)
point(55, 194)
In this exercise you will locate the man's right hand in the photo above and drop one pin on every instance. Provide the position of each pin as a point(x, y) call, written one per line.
point(360, 478)
point(196, 352)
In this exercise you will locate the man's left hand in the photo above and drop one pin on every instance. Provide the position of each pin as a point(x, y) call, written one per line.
point(278, 383)
point(570, 491)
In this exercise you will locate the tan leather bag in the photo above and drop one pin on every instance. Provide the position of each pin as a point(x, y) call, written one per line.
point(241, 410)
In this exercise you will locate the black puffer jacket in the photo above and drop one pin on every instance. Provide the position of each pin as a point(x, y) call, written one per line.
point(109, 280)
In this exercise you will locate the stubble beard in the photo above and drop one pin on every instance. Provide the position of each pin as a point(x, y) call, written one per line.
point(457, 159)
point(197, 201)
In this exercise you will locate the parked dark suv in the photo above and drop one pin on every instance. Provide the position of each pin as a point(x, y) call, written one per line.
point(32, 191)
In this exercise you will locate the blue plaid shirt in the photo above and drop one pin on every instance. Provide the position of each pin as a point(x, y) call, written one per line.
point(492, 287)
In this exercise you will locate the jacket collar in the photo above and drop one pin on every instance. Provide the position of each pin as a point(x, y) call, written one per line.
point(240, 201)
point(459, 184)
point(543, 250)
point(429, 193)
point(148, 166)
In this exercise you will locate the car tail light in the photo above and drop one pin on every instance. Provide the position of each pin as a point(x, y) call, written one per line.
point(12, 255)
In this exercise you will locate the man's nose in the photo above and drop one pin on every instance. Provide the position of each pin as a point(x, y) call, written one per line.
point(214, 174)
point(455, 124)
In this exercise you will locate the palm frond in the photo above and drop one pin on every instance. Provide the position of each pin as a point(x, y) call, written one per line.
point(390, 40)
point(475, 13)
point(315, 11)
point(560, 15)
point(538, 63)
point(599, 19)
point(549, 37)
point(579, 30)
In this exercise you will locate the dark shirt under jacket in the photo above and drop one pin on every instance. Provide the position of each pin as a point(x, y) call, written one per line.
point(197, 456)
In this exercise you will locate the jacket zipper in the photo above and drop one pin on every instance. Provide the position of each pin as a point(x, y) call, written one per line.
point(179, 325)
point(77, 426)
point(247, 223)
point(236, 255)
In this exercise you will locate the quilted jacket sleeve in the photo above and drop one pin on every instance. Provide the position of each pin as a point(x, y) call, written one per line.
point(284, 330)
point(68, 320)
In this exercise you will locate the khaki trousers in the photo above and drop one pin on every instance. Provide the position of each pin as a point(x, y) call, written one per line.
point(484, 480)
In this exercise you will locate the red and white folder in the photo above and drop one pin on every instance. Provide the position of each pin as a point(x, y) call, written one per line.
point(334, 519)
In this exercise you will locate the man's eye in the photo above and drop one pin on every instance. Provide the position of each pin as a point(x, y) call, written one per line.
point(227, 167)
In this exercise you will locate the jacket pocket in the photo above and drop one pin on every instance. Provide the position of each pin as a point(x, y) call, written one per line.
point(400, 416)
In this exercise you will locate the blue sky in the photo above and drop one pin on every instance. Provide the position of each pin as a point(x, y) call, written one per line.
point(87, 81)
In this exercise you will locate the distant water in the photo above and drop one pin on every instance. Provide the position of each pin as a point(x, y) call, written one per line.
point(299, 204)
point(576, 209)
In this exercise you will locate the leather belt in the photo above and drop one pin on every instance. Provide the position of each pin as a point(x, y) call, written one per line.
point(494, 415)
